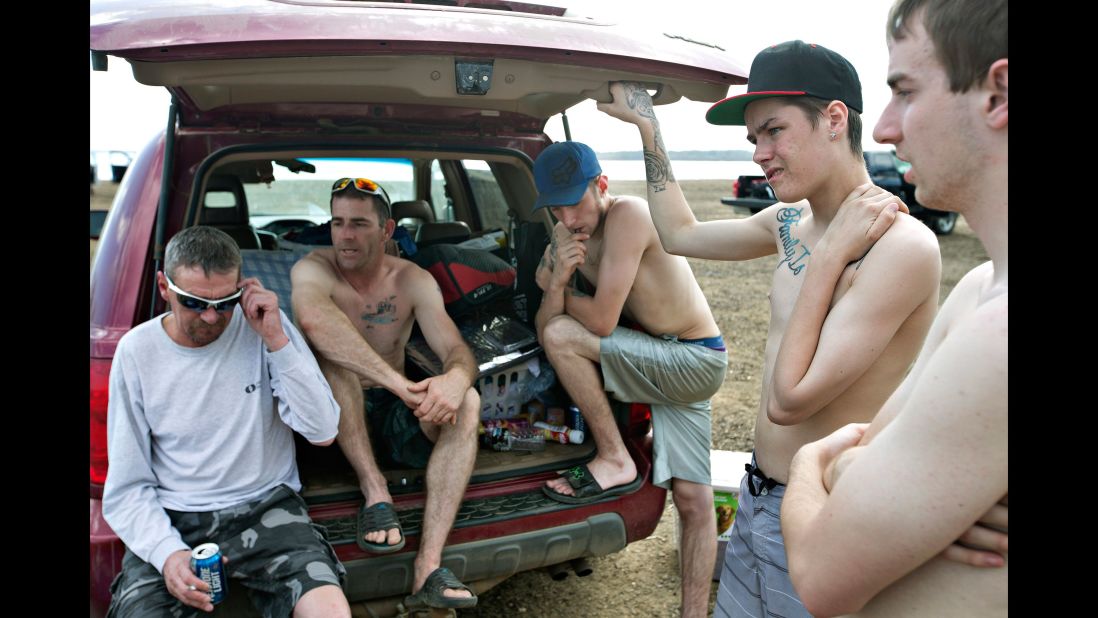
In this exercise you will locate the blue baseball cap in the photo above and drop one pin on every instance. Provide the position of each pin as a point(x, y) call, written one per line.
point(561, 173)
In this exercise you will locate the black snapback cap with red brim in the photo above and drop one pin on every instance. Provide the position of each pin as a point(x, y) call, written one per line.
point(790, 69)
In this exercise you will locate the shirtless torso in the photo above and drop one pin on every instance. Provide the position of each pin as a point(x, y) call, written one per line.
point(940, 587)
point(382, 311)
point(795, 233)
point(664, 298)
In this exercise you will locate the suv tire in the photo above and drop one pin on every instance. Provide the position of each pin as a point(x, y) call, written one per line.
point(942, 224)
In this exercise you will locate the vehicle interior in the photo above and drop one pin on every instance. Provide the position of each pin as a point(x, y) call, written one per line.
point(276, 206)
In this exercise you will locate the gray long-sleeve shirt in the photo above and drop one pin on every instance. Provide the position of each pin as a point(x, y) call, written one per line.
point(202, 429)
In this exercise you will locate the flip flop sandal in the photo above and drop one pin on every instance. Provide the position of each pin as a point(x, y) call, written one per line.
point(380, 516)
point(431, 594)
point(587, 489)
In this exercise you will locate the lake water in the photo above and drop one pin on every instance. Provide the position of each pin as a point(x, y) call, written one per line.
point(684, 170)
point(615, 170)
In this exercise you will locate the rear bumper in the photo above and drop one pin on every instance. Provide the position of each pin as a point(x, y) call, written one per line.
point(499, 547)
point(105, 560)
point(385, 576)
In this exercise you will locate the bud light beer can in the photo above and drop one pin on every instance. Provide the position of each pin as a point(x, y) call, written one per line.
point(206, 564)
point(575, 419)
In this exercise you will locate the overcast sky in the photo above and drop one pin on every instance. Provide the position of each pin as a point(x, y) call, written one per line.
point(125, 114)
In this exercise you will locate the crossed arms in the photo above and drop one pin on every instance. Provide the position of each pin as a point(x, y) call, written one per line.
point(933, 463)
point(826, 348)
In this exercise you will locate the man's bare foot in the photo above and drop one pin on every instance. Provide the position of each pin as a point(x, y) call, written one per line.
point(421, 578)
point(607, 474)
point(390, 536)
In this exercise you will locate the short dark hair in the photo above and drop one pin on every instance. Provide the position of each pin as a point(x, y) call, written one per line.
point(815, 108)
point(381, 207)
point(203, 246)
point(968, 35)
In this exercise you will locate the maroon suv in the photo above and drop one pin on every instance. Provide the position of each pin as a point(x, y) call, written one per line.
point(445, 106)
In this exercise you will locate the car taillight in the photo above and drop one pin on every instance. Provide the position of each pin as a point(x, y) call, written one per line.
point(640, 414)
point(736, 188)
point(100, 379)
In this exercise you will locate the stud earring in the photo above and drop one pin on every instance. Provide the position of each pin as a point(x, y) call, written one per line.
point(833, 134)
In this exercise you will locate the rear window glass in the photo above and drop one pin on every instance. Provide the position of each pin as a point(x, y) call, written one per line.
point(306, 195)
point(443, 207)
point(486, 192)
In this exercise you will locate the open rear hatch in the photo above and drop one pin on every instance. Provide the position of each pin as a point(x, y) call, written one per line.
point(348, 69)
point(287, 61)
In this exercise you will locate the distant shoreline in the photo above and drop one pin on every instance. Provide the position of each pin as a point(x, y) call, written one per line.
point(688, 169)
point(679, 155)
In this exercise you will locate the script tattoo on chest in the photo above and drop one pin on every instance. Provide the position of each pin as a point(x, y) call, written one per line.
point(795, 252)
point(384, 313)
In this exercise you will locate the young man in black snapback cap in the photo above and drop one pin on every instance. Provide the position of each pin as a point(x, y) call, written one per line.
point(826, 363)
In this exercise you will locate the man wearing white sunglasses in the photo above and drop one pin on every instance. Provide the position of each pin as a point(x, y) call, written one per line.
point(204, 400)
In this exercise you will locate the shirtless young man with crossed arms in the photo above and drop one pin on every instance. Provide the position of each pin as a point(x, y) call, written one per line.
point(866, 525)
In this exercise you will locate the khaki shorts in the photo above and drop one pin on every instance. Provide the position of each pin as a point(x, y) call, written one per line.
point(676, 379)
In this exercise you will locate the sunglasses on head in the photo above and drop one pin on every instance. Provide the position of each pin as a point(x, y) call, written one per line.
point(199, 304)
point(364, 185)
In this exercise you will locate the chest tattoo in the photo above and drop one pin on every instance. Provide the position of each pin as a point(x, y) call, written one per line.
point(384, 313)
point(795, 252)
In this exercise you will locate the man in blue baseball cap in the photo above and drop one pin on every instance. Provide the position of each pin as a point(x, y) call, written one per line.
point(562, 172)
point(673, 358)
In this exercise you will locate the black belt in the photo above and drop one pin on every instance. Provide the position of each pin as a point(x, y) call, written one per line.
point(765, 483)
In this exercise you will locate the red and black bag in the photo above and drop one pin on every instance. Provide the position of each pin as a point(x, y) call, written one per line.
point(468, 278)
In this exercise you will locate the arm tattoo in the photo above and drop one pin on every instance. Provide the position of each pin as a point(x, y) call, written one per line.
point(638, 99)
point(552, 251)
point(657, 168)
point(657, 165)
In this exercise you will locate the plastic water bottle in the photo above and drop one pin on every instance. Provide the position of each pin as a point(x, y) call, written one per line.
point(560, 433)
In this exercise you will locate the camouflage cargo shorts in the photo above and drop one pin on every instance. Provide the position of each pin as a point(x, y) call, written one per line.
point(276, 554)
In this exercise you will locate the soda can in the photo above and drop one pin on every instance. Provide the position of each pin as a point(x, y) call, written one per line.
point(575, 419)
point(206, 564)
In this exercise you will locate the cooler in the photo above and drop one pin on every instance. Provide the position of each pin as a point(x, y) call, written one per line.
point(726, 469)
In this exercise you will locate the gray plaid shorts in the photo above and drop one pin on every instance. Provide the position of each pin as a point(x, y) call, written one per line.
point(276, 554)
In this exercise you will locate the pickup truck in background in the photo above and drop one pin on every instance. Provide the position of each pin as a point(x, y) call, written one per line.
point(885, 170)
point(752, 193)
